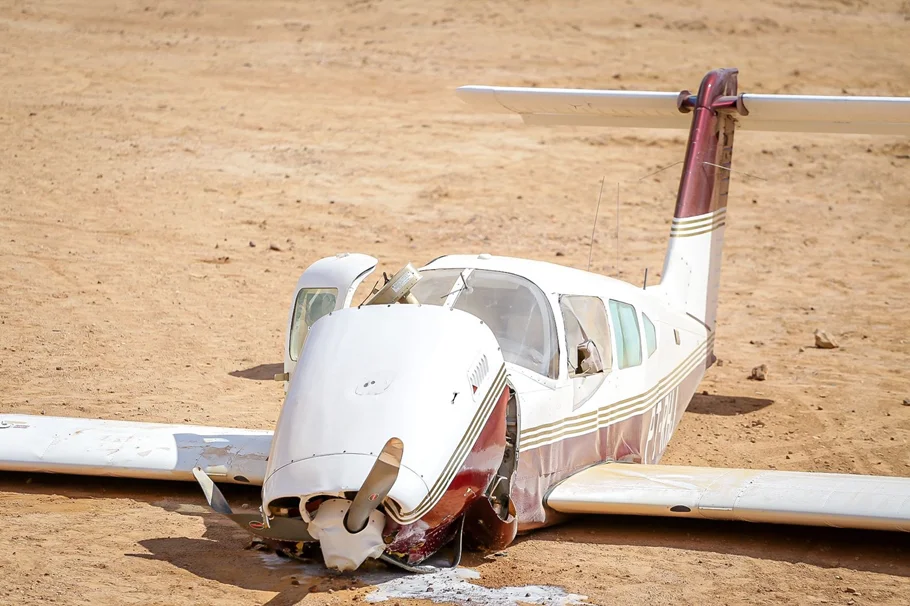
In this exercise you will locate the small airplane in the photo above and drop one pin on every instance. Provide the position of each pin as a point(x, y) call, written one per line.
point(483, 396)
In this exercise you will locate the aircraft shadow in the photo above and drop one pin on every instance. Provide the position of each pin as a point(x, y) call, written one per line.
point(860, 550)
point(260, 372)
point(222, 554)
point(726, 405)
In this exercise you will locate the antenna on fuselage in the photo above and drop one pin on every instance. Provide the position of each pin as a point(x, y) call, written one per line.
point(616, 260)
point(594, 229)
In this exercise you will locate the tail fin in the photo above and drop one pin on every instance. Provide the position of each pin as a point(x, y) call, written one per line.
point(697, 232)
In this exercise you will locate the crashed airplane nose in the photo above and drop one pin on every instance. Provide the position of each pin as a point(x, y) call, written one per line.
point(430, 376)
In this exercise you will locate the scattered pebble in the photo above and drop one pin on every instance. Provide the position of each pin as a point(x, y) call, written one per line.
point(560, 254)
point(275, 247)
point(759, 373)
point(906, 401)
point(824, 341)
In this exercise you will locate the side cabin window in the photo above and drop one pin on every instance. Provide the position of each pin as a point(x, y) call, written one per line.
point(650, 334)
point(627, 334)
point(588, 337)
point(311, 304)
point(585, 320)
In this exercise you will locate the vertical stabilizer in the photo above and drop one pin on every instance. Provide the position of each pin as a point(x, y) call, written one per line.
point(691, 275)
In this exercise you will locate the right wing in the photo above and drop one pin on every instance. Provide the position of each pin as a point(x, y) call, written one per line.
point(777, 497)
point(126, 449)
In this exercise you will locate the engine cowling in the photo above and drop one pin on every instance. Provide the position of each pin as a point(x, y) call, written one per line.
point(430, 376)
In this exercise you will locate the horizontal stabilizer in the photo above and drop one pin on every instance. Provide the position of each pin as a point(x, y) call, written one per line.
point(777, 497)
point(644, 109)
point(126, 449)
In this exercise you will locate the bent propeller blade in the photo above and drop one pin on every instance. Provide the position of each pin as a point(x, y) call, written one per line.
point(213, 495)
point(377, 485)
point(280, 529)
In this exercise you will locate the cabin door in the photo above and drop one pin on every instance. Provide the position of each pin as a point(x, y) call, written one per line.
point(327, 285)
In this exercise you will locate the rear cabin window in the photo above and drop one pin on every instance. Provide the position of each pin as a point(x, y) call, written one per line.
point(311, 304)
point(650, 334)
point(627, 335)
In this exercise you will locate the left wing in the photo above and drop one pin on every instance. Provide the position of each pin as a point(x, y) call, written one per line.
point(126, 449)
point(779, 497)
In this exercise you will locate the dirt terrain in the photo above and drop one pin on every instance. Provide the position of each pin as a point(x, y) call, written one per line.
point(153, 151)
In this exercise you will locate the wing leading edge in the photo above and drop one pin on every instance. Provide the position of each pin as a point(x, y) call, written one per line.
point(777, 497)
point(125, 449)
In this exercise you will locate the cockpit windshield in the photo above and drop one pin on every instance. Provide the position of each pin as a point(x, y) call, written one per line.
point(515, 309)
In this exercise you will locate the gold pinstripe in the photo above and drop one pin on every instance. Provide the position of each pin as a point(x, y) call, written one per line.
point(594, 420)
point(697, 233)
point(458, 456)
point(683, 222)
point(698, 226)
point(684, 228)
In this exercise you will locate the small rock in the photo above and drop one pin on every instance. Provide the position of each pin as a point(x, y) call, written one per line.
point(59, 368)
point(720, 362)
point(802, 349)
point(252, 244)
point(275, 247)
point(560, 254)
point(245, 506)
point(906, 401)
point(824, 341)
point(850, 590)
point(759, 373)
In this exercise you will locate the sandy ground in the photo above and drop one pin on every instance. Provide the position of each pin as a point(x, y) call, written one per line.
point(148, 145)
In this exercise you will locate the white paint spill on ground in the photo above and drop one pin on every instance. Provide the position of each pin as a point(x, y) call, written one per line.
point(447, 585)
point(451, 586)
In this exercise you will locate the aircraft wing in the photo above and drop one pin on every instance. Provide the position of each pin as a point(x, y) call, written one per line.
point(129, 449)
point(779, 497)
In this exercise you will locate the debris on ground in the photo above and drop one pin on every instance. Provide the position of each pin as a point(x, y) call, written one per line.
point(759, 373)
point(824, 341)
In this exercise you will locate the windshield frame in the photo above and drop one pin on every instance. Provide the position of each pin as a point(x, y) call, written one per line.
point(461, 282)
